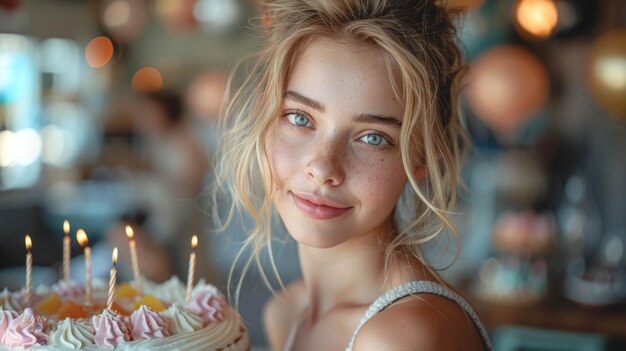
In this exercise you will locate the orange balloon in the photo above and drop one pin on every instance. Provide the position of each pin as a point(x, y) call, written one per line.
point(508, 86)
point(606, 72)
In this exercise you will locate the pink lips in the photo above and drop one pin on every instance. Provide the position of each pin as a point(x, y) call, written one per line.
point(318, 208)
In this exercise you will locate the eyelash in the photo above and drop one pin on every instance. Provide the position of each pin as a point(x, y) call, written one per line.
point(296, 112)
point(386, 138)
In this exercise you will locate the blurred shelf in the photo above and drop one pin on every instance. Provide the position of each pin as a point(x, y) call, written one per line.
point(556, 314)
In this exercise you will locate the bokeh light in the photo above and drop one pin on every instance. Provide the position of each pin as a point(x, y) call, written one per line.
point(206, 94)
point(27, 146)
point(607, 71)
point(57, 145)
point(22, 147)
point(116, 13)
point(216, 15)
point(99, 51)
point(124, 19)
point(537, 17)
point(611, 71)
point(177, 14)
point(6, 144)
point(147, 79)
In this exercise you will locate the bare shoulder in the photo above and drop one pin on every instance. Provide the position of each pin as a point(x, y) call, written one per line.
point(430, 321)
point(281, 312)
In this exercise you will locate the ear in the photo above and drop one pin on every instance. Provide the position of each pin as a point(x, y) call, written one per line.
point(421, 172)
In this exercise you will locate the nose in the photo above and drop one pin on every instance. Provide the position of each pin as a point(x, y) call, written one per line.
point(326, 165)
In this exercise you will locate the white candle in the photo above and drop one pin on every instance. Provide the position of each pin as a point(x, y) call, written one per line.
point(67, 242)
point(81, 237)
point(29, 268)
point(192, 268)
point(133, 257)
point(112, 279)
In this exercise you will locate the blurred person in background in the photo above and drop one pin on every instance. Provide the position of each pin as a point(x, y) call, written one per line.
point(166, 180)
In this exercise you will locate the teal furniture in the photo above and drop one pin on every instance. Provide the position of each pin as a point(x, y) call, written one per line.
point(513, 338)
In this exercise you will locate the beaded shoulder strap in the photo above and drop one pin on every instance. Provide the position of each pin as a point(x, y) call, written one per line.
point(421, 287)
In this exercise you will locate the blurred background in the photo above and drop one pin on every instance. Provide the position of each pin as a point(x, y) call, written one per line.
point(107, 118)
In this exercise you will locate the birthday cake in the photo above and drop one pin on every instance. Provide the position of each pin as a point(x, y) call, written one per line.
point(158, 318)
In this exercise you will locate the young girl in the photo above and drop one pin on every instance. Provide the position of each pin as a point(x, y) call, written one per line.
point(347, 128)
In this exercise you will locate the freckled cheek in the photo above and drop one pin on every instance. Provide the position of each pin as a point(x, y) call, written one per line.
point(382, 179)
point(283, 158)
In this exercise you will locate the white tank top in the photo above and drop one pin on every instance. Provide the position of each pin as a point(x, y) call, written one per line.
point(421, 287)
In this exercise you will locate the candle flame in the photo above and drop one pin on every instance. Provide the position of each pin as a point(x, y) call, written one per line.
point(29, 243)
point(81, 237)
point(66, 227)
point(194, 241)
point(129, 232)
point(114, 256)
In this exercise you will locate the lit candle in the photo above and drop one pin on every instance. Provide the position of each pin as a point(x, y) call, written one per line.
point(29, 268)
point(133, 257)
point(192, 268)
point(112, 279)
point(67, 241)
point(81, 237)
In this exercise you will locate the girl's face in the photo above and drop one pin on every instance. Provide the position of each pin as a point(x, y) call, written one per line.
point(334, 149)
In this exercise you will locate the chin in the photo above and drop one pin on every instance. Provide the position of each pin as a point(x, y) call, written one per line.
point(313, 237)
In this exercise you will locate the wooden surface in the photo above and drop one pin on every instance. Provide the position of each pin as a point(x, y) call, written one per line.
point(557, 314)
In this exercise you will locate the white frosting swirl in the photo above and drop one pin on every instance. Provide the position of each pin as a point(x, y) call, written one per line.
point(181, 320)
point(172, 290)
point(10, 302)
point(42, 290)
point(72, 334)
point(148, 285)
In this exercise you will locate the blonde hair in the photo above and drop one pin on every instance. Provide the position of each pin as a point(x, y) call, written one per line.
point(418, 41)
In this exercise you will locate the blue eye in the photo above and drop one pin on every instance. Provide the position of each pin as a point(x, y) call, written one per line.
point(374, 139)
point(299, 120)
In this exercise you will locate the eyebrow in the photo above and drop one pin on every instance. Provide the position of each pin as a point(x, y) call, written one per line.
point(292, 95)
point(376, 119)
point(362, 118)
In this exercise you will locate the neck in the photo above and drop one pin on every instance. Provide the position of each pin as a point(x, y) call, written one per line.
point(351, 274)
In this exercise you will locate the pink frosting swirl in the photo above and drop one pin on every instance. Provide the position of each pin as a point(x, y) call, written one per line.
point(208, 303)
point(6, 316)
point(111, 329)
point(147, 324)
point(27, 330)
point(68, 289)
